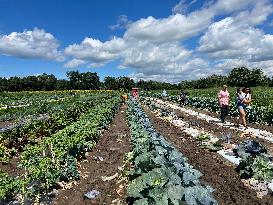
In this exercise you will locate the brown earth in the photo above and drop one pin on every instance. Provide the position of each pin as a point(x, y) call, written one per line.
point(12, 167)
point(112, 147)
point(7, 123)
point(234, 120)
point(219, 131)
point(217, 172)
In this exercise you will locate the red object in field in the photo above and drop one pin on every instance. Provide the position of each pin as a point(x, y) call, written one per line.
point(135, 92)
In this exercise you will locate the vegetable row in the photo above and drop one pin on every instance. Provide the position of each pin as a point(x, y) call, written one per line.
point(255, 113)
point(54, 158)
point(14, 140)
point(254, 164)
point(160, 174)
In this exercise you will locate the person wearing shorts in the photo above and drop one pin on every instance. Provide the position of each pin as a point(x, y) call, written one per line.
point(241, 106)
point(243, 98)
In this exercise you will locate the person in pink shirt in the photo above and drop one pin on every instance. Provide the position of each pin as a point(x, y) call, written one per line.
point(223, 100)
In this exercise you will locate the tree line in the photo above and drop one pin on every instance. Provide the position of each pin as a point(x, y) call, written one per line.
point(77, 81)
point(241, 76)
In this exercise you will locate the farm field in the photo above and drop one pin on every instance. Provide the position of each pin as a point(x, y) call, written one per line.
point(260, 111)
point(89, 147)
point(136, 102)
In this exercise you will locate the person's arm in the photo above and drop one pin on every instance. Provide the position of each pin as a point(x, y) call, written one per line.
point(248, 100)
point(241, 98)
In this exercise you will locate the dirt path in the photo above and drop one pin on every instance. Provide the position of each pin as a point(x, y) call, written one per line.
point(233, 119)
point(112, 147)
point(217, 172)
point(218, 131)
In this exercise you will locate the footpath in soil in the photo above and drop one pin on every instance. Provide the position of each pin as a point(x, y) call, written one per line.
point(217, 172)
point(218, 131)
point(234, 120)
point(112, 147)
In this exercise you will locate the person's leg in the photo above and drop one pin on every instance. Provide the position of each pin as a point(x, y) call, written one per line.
point(227, 110)
point(242, 116)
point(225, 107)
point(222, 114)
point(239, 119)
point(244, 119)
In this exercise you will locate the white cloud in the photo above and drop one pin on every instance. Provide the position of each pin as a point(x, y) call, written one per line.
point(237, 38)
point(192, 69)
point(225, 7)
point(95, 65)
point(226, 65)
point(31, 44)
point(182, 7)
point(154, 47)
point(122, 23)
point(96, 51)
point(167, 62)
point(179, 27)
point(174, 28)
point(155, 58)
point(74, 63)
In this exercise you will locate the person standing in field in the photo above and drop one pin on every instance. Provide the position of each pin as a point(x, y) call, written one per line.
point(183, 97)
point(240, 98)
point(164, 94)
point(243, 100)
point(223, 100)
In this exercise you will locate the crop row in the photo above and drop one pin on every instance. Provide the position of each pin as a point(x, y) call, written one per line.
point(255, 114)
point(250, 156)
point(261, 96)
point(34, 109)
point(54, 159)
point(33, 103)
point(30, 97)
point(160, 174)
point(14, 140)
point(23, 98)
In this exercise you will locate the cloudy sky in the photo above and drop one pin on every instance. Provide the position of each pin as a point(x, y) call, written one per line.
point(164, 40)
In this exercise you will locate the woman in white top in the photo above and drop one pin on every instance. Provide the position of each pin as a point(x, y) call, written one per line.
point(245, 101)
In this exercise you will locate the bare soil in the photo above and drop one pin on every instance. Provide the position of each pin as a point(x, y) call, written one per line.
point(112, 147)
point(217, 172)
point(234, 120)
point(219, 131)
point(12, 168)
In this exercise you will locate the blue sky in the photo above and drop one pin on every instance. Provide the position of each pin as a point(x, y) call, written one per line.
point(166, 40)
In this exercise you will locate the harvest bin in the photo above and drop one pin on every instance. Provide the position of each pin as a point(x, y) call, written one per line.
point(135, 92)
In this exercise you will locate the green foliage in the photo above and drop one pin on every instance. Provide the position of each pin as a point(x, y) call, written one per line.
point(161, 174)
point(8, 185)
point(241, 76)
point(203, 137)
point(260, 110)
point(55, 158)
point(245, 77)
point(83, 81)
point(34, 130)
point(258, 168)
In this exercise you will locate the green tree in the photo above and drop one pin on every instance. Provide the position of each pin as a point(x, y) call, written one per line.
point(90, 81)
point(125, 83)
point(110, 83)
point(75, 79)
point(245, 77)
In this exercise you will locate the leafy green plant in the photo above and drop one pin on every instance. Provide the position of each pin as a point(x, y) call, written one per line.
point(203, 137)
point(160, 174)
point(258, 168)
point(8, 185)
